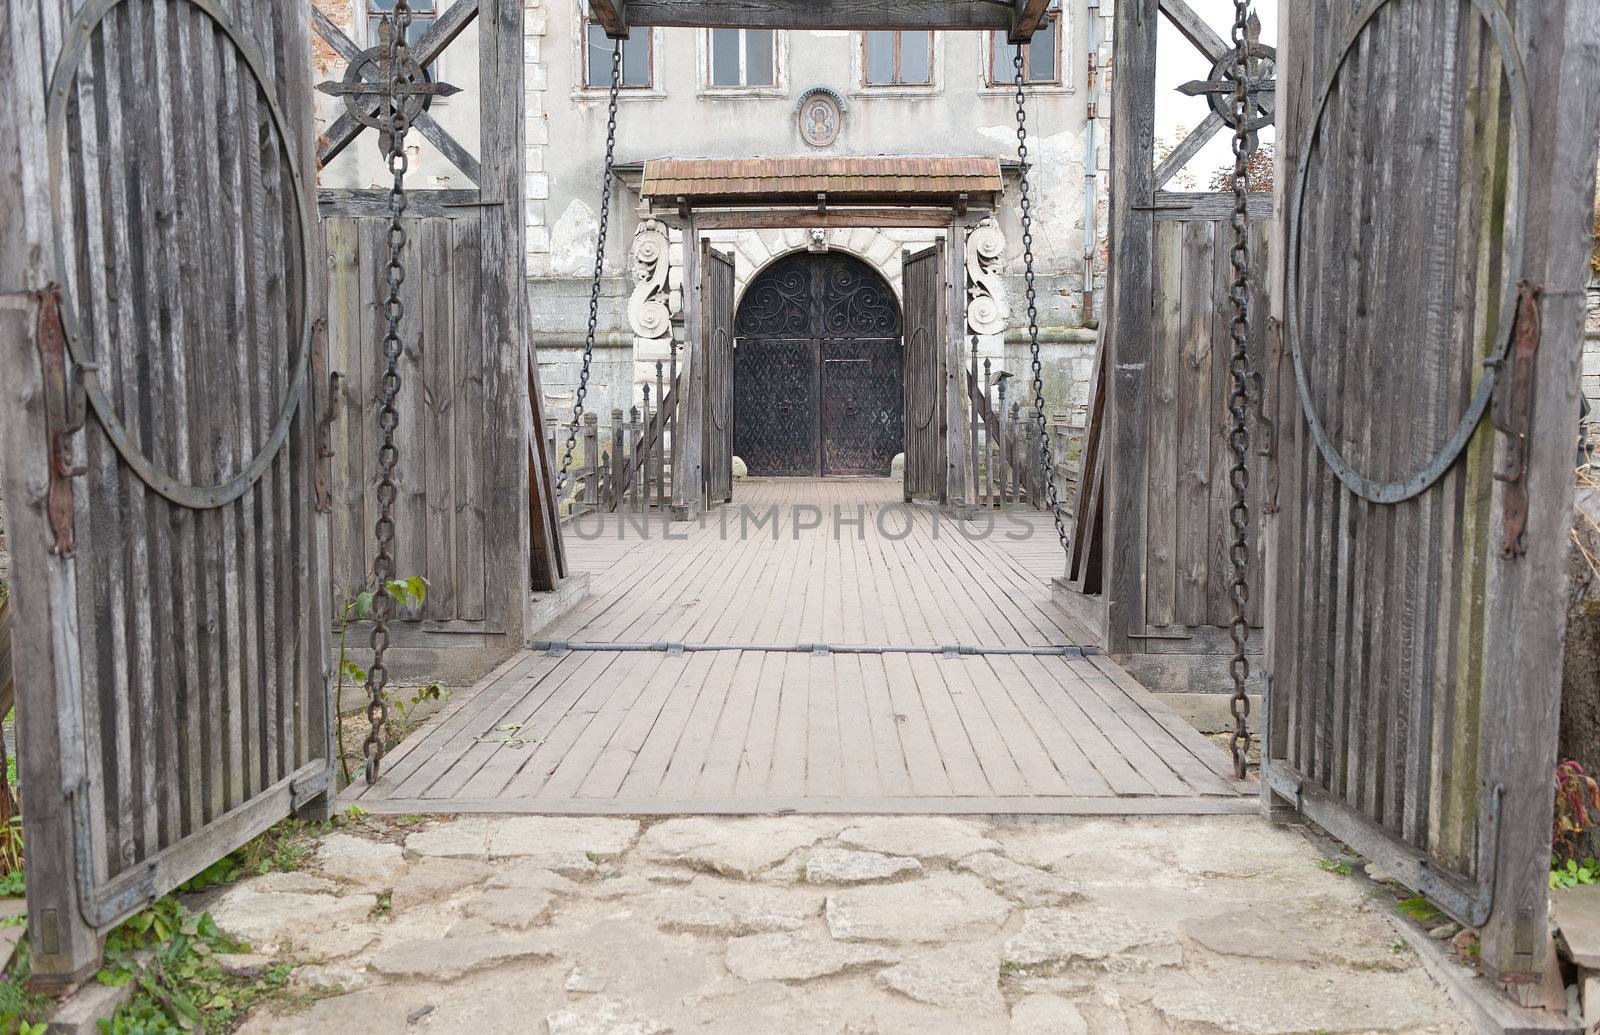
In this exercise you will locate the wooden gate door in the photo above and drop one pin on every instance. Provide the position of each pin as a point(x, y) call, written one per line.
point(1432, 305)
point(922, 280)
point(717, 294)
point(470, 516)
point(810, 325)
point(159, 314)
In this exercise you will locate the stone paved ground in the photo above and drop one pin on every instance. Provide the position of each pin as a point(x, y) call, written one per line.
point(832, 924)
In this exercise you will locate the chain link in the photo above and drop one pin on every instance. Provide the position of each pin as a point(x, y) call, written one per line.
point(1239, 396)
point(599, 269)
point(1025, 204)
point(396, 126)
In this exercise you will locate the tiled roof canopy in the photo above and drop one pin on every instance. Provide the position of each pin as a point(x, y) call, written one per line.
point(735, 181)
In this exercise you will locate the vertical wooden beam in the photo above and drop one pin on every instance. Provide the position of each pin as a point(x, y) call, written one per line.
point(610, 15)
point(956, 404)
point(507, 540)
point(688, 474)
point(1026, 19)
point(312, 555)
point(1560, 42)
point(1128, 332)
point(1279, 524)
point(44, 587)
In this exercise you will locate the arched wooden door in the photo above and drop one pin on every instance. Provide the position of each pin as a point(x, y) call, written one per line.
point(817, 372)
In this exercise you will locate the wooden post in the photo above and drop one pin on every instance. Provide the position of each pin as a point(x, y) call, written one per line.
point(1522, 652)
point(974, 424)
point(646, 472)
point(591, 458)
point(619, 436)
point(672, 416)
point(633, 465)
point(508, 531)
point(1132, 171)
point(688, 490)
point(660, 442)
point(957, 405)
point(994, 445)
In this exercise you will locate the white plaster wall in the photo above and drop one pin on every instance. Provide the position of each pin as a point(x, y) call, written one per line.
point(959, 114)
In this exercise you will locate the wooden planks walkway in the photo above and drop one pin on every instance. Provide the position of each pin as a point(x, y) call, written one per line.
point(758, 730)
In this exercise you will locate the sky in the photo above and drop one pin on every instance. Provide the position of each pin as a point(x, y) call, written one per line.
point(1177, 62)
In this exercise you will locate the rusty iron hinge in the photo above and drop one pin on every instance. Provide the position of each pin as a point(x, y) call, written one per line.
point(328, 414)
point(1513, 414)
point(1269, 427)
point(65, 409)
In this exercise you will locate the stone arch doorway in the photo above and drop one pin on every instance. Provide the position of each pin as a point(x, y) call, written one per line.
point(818, 370)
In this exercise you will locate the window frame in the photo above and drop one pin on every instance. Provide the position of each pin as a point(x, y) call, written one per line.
point(708, 81)
point(371, 16)
point(899, 39)
point(1056, 16)
point(586, 24)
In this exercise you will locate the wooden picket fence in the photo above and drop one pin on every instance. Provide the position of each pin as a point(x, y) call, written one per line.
point(624, 463)
point(1007, 466)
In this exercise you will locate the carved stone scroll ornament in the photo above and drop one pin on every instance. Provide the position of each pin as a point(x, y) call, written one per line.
point(986, 300)
point(650, 306)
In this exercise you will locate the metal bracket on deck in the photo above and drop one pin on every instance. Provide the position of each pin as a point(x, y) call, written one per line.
point(551, 648)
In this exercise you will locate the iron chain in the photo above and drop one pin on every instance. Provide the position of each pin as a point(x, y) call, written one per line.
point(396, 126)
point(1025, 205)
point(599, 270)
point(1239, 396)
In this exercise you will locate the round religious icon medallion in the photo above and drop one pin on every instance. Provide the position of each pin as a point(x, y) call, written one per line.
point(821, 113)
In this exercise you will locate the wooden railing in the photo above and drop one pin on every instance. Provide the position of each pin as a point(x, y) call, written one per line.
point(623, 464)
point(1007, 467)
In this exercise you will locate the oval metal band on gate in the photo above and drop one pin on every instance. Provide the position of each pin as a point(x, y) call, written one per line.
point(1521, 118)
point(719, 413)
point(918, 342)
point(197, 497)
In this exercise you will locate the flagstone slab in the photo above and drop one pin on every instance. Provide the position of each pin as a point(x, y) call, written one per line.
point(799, 956)
point(940, 908)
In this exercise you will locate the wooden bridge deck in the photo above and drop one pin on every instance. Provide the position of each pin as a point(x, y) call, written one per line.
point(746, 729)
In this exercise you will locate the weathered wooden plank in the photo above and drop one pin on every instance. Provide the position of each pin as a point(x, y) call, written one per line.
point(436, 368)
point(1161, 467)
point(1523, 655)
point(1195, 416)
point(611, 15)
point(1026, 19)
point(688, 474)
point(1196, 30)
point(469, 407)
point(1128, 331)
point(957, 492)
point(502, 106)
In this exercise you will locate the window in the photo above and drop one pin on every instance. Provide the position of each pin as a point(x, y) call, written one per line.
point(897, 57)
point(743, 57)
point(1041, 57)
point(422, 14)
point(636, 59)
